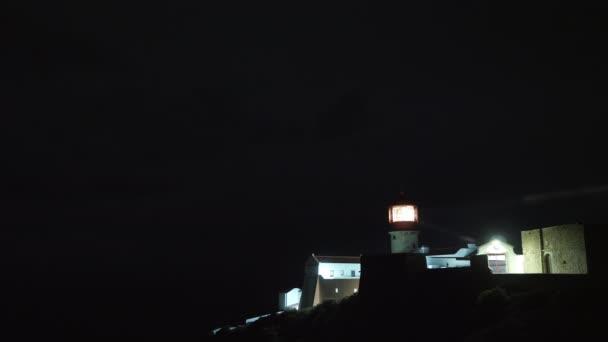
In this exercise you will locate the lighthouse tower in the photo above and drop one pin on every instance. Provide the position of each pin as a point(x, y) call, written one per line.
point(403, 221)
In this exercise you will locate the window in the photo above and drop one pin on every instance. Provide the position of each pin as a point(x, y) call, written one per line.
point(497, 263)
point(331, 273)
point(352, 273)
point(355, 290)
point(336, 290)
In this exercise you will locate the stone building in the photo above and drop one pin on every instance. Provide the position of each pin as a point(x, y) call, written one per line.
point(558, 249)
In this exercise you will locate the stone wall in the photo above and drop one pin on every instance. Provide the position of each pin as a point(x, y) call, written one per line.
point(404, 241)
point(530, 242)
point(564, 249)
point(559, 249)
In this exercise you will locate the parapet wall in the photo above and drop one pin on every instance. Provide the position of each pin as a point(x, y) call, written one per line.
point(403, 276)
point(401, 272)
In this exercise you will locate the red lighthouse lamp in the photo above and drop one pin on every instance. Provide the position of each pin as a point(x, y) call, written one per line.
point(403, 231)
point(402, 214)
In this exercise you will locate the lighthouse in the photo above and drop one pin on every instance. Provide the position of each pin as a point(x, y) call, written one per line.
point(403, 222)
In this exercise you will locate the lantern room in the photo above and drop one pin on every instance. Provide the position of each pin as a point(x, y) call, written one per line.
point(402, 214)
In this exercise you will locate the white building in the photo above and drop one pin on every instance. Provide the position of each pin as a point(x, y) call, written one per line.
point(462, 258)
point(501, 257)
point(329, 278)
point(290, 300)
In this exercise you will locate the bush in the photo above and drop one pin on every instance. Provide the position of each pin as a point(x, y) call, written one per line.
point(495, 300)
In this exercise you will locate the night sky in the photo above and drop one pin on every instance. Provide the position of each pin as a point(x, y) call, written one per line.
point(169, 166)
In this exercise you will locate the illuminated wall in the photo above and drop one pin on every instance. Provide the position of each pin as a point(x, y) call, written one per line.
point(329, 278)
point(514, 262)
point(290, 300)
point(559, 249)
point(336, 289)
point(404, 241)
point(456, 260)
point(533, 259)
point(339, 270)
point(446, 261)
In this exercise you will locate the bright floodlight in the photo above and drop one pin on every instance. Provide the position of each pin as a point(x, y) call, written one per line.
point(403, 213)
point(497, 245)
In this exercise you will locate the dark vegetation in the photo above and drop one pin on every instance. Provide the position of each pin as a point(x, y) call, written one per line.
point(494, 314)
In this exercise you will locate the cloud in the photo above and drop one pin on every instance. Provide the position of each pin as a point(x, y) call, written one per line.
point(556, 195)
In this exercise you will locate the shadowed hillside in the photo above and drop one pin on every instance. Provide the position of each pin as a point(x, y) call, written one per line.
point(494, 314)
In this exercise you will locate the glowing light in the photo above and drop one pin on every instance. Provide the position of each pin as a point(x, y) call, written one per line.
point(403, 213)
point(497, 245)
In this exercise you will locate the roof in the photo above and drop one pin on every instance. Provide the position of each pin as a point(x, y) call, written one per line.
point(287, 290)
point(337, 259)
point(462, 253)
point(442, 251)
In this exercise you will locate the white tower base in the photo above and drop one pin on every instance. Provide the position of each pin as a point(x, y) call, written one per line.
point(404, 241)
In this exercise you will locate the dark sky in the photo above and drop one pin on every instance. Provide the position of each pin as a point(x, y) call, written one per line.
point(170, 165)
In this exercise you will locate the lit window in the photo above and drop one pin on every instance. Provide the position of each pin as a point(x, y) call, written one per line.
point(336, 290)
point(356, 290)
